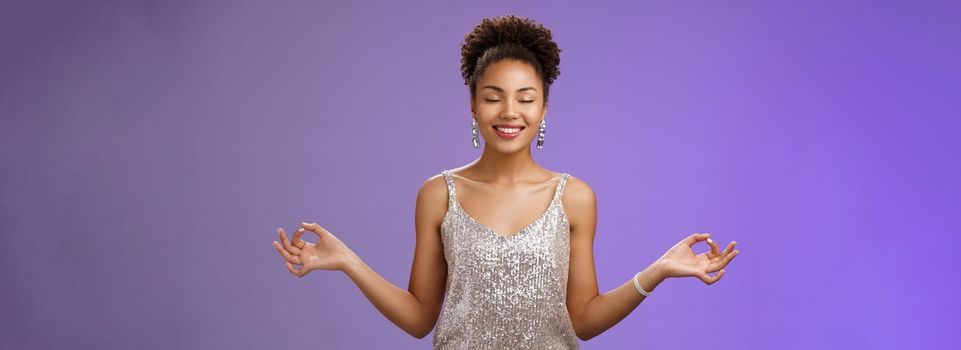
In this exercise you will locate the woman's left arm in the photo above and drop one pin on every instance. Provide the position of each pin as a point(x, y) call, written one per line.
point(593, 313)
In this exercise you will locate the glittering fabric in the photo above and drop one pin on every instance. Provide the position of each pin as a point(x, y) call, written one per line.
point(505, 291)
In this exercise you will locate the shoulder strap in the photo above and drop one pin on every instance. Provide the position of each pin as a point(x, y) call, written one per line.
point(450, 186)
point(559, 192)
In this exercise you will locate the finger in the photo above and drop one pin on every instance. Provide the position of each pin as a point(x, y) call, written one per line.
point(704, 277)
point(296, 241)
point(696, 237)
point(283, 239)
point(296, 272)
point(708, 279)
point(287, 256)
point(314, 227)
point(714, 249)
point(724, 261)
point(730, 247)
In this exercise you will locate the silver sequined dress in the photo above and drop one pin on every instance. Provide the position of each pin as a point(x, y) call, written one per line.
point(505, 292)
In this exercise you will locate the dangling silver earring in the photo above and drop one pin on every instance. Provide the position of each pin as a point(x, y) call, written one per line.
point(540, 134)
point(473, 132)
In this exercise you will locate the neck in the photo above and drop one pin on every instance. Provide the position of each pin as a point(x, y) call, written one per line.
point(505, 167)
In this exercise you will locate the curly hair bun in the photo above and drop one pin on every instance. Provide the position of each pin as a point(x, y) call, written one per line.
point(509, 36)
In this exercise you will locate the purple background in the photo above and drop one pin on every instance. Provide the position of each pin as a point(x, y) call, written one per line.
point(150, 149)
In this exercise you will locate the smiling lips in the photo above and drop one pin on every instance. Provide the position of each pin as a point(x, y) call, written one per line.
point(507, 131)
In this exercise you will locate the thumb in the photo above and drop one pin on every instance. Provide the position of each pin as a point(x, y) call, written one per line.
point(313, 227)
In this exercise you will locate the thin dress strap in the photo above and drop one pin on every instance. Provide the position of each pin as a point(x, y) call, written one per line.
point(450, 186)
point(559, 192)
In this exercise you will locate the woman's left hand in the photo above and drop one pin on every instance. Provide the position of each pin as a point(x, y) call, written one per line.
point(680, 260)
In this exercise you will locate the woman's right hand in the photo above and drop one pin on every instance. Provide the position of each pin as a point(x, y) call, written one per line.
point(329, 253)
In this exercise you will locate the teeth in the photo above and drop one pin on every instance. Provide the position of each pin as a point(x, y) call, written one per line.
point(508, 130)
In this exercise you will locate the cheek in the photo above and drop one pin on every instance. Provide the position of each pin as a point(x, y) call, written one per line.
point(486, 114)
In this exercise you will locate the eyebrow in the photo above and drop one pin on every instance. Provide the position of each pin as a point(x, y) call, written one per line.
point(502, 90)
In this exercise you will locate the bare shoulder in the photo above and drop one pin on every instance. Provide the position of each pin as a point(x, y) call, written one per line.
point(434, 186)
point(432, 200)
point(580, 204)
point(577, 192)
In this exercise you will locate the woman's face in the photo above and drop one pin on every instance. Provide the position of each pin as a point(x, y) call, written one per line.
point(509, 95)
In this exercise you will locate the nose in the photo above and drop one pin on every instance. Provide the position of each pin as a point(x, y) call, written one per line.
point(510, 112)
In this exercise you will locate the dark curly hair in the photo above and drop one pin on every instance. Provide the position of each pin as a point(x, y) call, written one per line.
point(512, 37)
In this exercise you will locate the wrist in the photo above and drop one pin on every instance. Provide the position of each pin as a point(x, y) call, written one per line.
point(645, 281)
point(351, 262)
point(657, 271)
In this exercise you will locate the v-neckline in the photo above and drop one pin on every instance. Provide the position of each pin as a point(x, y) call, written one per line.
point(490, 230)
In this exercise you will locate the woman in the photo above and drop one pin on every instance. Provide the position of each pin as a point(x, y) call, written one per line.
point(516, 275)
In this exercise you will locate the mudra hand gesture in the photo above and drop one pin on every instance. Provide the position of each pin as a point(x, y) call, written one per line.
point(680, 260)
point(329, 253)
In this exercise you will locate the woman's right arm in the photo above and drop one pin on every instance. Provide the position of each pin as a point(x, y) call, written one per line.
point(414, 310)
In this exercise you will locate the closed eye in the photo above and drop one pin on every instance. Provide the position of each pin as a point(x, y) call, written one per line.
point(499, 101)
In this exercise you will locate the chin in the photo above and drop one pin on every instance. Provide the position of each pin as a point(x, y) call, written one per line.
point(509, 149)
